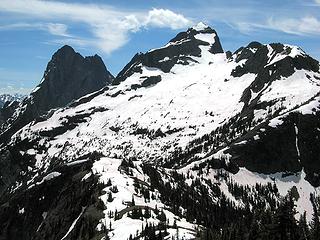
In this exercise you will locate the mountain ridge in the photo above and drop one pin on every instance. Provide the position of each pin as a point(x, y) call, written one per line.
point(180, 128)
point(9, 98)
point(177, 50)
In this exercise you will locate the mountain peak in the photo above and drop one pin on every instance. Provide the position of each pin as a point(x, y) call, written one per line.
point(65, 50)
point(200, 26)
point(70, 70)
point(185, 48)
point(68, 76)
point(221, 134)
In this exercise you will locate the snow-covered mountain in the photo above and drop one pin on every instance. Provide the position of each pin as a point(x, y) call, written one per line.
point(8, 105)
point(10, 98)
point(178, 133)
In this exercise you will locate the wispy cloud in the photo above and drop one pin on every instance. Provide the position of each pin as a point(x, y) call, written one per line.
point(57, 29)
point(110, 27)
point(298, 17)
point(302, 26)
point(298, 26)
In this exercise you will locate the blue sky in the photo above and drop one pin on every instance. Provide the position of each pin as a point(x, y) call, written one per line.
point(32, 30)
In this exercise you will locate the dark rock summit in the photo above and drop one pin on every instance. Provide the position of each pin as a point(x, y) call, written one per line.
point(68, 76)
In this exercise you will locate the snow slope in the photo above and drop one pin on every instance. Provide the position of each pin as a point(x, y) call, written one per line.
point(188, 102)
point(150, 122)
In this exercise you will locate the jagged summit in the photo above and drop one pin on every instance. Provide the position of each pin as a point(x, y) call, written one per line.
point(185, 48)
point(200, 35)
point(8, 104)
point(64, 50)
point(274, 51)
point(68, 76)
point(5, 99)
point(67, 55)
point(187, 137)
point(272, 60)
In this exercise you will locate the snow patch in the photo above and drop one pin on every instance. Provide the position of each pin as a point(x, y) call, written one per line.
point(21, 211)
point(206, 37)
point(284, 184)
point(200, 26)
point(275, 122)
point(73, 224)
point(297, 143)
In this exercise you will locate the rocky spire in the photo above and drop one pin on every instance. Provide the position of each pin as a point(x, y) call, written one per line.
point(68, 76)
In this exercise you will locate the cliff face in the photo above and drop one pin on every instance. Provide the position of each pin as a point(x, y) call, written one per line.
point(68, 76)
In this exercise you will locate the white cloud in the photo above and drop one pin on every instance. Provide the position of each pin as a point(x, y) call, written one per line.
point(18, 25)
point(298, 26)
point(57, 29)
point(109, 27)
point(14, 90)
point(166, 18)
point(304, 26)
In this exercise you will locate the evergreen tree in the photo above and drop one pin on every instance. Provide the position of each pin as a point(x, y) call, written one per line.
point(110, 198)
point(147, 212)
point(108, 184)
point(116, 215)
point(286, 222)
point(303, 227)
point(315, 223)
point(132, 201)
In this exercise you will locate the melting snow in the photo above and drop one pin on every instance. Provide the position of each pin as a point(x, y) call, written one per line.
point(284, 184)
point(297, 143)
point(73, 224)
point(108, 169)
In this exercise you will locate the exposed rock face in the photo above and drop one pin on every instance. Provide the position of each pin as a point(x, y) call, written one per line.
point(8, 104)
point(270, 63)
point(53, 206)
point(7, 111)
point(68, 76)
point(183, 127)
point(288, 147)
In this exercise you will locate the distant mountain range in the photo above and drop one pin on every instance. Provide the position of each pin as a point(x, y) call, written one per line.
point(10, 98)
point(186, 142)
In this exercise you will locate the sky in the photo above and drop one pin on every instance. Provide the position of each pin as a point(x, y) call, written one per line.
point(32, 30)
